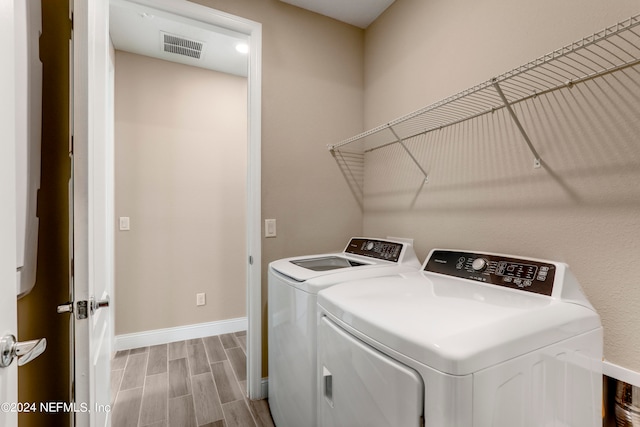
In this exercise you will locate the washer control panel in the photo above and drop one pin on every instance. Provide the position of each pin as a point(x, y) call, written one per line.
point(500, 270)
point(379, 249)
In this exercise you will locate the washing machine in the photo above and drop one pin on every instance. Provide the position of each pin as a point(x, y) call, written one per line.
point(292, 320)
point(471, 340)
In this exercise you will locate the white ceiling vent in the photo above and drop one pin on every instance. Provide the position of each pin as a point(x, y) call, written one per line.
point(181, 46)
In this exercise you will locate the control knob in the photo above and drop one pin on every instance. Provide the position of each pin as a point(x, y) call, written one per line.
point(369, 246)
point(479, 264)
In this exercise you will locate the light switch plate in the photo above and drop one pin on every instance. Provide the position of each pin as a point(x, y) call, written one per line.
point(124, 223)
point(269, 228)
point(201, 299)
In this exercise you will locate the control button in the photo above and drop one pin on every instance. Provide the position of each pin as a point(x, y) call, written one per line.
point(517, 281)
point(544, 268)
point(527, 283)
point(541, 277)
point(461, 259)
point(506, 279)
point(479, 264)
point(459, 266)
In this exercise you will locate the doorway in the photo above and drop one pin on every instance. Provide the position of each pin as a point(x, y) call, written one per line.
point(196, 17)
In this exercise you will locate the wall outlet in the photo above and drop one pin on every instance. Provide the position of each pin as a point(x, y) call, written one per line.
point(201, 299)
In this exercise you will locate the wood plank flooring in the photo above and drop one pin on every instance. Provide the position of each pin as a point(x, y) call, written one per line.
point(199, 383)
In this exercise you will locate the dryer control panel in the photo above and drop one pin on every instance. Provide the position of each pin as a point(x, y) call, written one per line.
point(500, 270)
point(372, 248)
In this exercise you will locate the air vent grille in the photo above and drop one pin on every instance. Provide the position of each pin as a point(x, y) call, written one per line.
point(182, 46)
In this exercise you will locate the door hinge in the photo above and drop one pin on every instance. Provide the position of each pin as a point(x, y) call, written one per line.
point(250, 260)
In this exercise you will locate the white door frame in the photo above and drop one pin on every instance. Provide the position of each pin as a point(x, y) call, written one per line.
point(92, 209)
point(254, 251)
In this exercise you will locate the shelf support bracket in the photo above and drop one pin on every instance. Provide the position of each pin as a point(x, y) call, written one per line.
point(537, 162)
point(401, 142)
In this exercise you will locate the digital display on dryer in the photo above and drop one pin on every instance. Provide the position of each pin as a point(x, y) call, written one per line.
point(513, 273)
point(513, 269)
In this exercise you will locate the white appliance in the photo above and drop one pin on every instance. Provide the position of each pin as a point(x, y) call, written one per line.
point(293, 287)
point(471, 340)
point(28, 135)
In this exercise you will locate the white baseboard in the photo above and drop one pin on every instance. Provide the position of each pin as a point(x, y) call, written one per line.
point(179, 333)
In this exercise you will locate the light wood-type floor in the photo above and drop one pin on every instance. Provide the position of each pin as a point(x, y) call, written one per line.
point(197, 383)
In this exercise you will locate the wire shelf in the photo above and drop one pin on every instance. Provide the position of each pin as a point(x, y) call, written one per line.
point(612, 49)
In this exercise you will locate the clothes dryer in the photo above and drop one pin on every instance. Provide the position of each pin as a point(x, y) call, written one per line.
point(472, 340)
point(292, 320)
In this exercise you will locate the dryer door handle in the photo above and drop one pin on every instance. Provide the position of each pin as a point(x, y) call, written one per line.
point(327, 385)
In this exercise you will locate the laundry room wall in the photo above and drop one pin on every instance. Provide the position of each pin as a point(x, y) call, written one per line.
point(180, 167)
point(312, 88)
point(483, 193)
point(312, 94)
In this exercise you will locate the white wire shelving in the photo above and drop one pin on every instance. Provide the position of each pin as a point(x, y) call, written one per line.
point(612, 49)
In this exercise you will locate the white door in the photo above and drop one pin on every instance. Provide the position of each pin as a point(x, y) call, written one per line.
point(92, 204)
point(360, 386)
point(8, 319)
point(13, 121)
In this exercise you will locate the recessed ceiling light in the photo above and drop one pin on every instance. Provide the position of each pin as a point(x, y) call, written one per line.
point(242, 47)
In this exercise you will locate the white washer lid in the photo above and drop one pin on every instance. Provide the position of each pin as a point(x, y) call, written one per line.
point(289, 268)
point(314, 281)
point(452, 325)
point(373, 257)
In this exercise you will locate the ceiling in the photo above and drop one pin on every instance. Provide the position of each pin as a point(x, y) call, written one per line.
point(360, 13)
point(140, 29)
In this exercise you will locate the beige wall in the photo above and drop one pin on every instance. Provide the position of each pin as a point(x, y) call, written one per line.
point(312, 94)
point(483, 193)
point(180, 166)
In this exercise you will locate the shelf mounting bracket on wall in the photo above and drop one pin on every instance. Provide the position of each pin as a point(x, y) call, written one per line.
point(401, 142)
point(536, 157)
